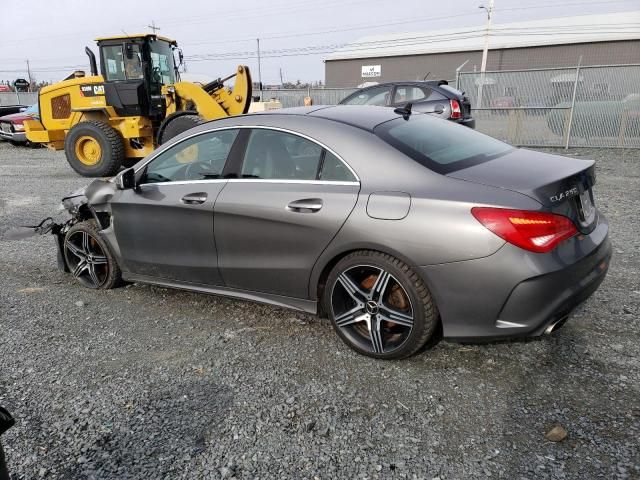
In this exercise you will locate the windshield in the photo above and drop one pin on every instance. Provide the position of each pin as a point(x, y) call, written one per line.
point(32, 110)
point(162, 71)
point(450, 89)
point(440, 145)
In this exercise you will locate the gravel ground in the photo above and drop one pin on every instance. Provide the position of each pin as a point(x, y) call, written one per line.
point(145, 382)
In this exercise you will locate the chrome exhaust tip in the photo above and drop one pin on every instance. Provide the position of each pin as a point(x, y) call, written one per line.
point(553, 326)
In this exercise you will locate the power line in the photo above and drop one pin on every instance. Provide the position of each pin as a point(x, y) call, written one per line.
point(357, 47)
point(422, 39)
point(153, 26)
point(337, 30)
point(311, 5)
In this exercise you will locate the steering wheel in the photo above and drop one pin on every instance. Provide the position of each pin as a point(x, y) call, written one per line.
point(194, 171)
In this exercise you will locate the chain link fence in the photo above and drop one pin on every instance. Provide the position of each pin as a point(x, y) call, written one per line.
point(595, 106)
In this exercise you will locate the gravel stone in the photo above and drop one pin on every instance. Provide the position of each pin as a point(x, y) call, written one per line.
point(556, 434)
point(145, 382)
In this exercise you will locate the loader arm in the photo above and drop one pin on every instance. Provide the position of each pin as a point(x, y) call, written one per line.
point(218, 102)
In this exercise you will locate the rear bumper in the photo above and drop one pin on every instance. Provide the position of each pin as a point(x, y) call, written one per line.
point(514, 293)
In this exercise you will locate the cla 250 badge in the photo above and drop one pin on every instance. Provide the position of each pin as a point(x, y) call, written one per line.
point(572, 192)
point(92, 90)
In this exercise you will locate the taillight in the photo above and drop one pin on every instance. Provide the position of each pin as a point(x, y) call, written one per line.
point(455, 109)
point(533, 231)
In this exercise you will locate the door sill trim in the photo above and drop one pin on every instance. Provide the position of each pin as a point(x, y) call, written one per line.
point(308, 306)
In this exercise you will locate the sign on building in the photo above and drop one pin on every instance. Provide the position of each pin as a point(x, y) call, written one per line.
point(371, 71)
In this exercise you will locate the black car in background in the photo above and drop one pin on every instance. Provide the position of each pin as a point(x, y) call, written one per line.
point(434, 97)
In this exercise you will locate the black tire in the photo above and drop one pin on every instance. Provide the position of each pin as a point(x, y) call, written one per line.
point(110, 157)
point(176, 124)
point(105, 268)
point(401, 340)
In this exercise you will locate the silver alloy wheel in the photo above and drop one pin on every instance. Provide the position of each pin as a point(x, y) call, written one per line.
point(364, 314)
point(86, 259)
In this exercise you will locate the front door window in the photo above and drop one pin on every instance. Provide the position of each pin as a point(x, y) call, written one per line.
point(201, 157)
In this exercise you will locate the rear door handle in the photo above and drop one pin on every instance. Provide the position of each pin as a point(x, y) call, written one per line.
point(305, 205)
point(194, 198)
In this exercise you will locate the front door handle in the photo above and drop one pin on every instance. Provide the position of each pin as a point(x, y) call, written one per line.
point(194, 198)
point(305, 205)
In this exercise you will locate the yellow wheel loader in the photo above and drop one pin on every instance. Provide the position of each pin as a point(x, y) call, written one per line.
point(136, 102)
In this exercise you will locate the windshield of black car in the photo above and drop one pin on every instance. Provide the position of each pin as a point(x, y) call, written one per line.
point(440, 145)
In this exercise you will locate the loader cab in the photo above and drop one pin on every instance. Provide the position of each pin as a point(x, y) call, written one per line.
point(134, 69)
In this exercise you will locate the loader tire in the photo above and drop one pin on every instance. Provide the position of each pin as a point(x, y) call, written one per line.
point(177, 123)
point(94, 149)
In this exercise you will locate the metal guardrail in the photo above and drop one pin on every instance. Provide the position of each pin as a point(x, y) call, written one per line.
point(594, 106)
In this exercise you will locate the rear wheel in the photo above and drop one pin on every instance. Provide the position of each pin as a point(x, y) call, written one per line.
point(379, 306)
point(178, 123)
point(94, 149)
point(89, 258)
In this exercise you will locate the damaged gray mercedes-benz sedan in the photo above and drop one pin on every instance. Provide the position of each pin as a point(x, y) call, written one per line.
point(394, 224)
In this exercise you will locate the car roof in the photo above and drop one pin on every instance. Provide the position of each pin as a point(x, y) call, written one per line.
point(431, 83)
point(366, 117)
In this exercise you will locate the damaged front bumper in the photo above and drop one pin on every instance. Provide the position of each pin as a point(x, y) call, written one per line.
point(89, 202)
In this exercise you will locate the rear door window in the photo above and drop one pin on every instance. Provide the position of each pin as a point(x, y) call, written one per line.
point(408, 93)
point(413, 93)
point(276, 155)
point(334, 170)
point(373, 96)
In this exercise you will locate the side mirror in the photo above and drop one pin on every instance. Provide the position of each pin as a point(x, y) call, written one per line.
point(126, 179)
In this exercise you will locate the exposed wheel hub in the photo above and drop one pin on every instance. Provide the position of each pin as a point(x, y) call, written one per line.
point(88, 150)
point(371, 307)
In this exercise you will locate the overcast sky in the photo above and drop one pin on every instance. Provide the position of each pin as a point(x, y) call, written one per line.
point(52, 33)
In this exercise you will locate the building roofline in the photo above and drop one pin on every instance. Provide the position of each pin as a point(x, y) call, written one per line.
point(620, 26)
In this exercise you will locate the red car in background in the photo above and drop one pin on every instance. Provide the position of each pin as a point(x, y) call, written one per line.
point(12, 126)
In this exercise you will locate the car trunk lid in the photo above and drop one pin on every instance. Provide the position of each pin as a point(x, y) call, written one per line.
point(562, 185)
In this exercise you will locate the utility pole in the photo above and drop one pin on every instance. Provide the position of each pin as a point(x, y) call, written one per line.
point(485, 51)
point(153, 26)
point(259, 69)
point(281, 81)
point(29, 75)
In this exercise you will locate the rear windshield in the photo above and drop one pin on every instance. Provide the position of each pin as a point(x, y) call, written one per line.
point(440, 145)
point(450, 89)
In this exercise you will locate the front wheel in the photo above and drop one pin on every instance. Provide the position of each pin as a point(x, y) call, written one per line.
point(94, 149)
point(89, 258)
point(379, 306)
